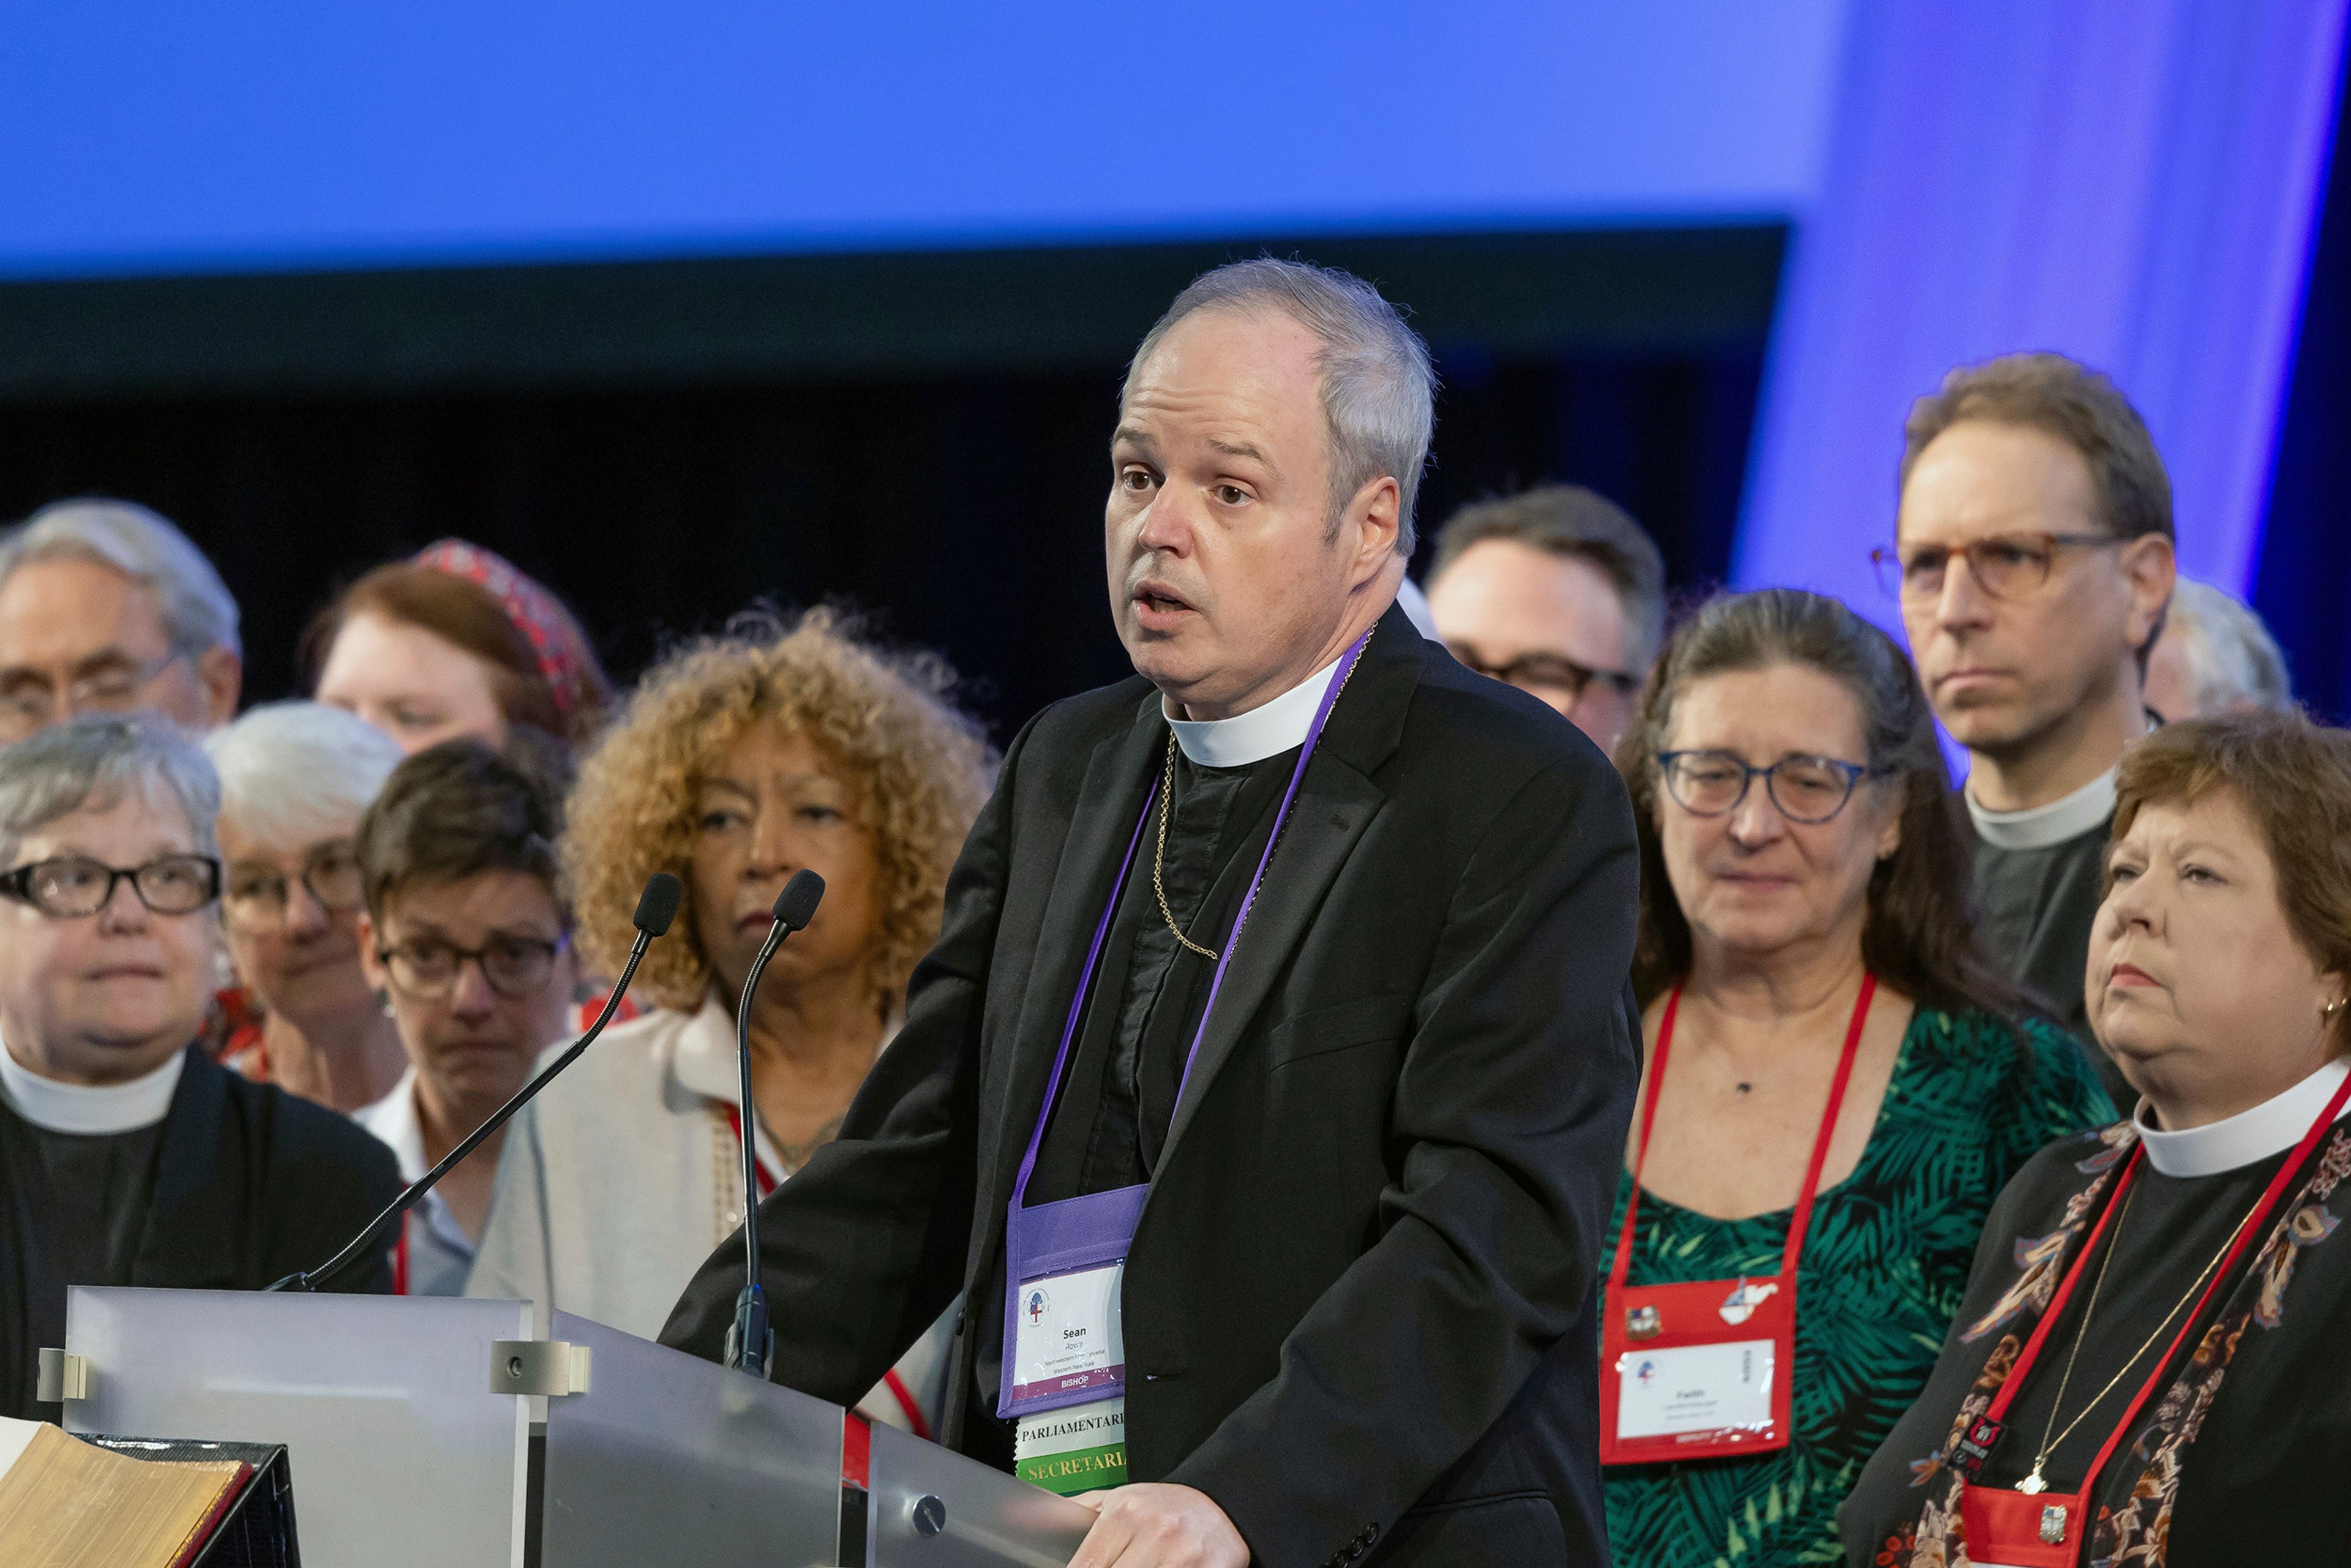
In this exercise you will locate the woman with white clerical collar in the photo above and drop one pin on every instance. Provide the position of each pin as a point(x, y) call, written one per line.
point(127, 1156)
point(1837, 1084)
point(2148, 1366)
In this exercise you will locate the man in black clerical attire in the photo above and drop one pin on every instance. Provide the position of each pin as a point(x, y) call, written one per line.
point(1359, 1198)
point(127, 1156)
point(2035, 551)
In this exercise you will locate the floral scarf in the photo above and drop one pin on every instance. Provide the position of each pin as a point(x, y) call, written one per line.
point(2136, 1534)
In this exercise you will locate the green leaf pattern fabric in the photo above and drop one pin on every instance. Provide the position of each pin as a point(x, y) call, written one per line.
point(1884, 1266)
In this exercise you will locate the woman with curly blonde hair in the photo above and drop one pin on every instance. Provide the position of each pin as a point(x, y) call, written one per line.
point(739, 760)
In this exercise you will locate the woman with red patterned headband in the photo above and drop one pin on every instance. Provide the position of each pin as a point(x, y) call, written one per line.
point(455, 641)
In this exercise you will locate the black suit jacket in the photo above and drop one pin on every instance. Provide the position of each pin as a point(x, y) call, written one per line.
point(1360, 1303)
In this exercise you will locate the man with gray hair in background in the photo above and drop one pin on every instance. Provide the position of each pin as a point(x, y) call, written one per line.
point(2214, 657)
point(1558, 592)
point(1264, 1097)
point(105, 607)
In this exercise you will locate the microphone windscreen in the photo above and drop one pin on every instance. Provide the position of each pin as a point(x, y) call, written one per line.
point(657, 905)
point(796, 905)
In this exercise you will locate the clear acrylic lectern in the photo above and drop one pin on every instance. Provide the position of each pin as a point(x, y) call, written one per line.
point(398, 1450)
point(931, 1508)
point(409, 1422)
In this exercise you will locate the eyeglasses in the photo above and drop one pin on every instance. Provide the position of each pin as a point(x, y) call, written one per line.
point(255, 899)
point(1807, 790)
point(1540, 674)
point(2009, 566)
point(516, 966)
point(74, 887)
point(29, 703)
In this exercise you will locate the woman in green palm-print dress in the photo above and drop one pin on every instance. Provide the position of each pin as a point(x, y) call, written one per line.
point(1798, 834)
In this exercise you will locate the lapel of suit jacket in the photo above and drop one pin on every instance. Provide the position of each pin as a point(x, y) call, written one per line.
point(1100, 826)
point(1336, 802)
point(191, 1238)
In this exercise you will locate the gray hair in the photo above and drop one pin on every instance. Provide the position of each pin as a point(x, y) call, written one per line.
point(2233, 659)
point(295, 773)
point(93, 761)
point(1585, 525)
point(199, 615)
point(1379, 389)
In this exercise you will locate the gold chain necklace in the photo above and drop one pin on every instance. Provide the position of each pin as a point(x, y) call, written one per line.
point(2036, 1481)
point(1167, 806)
point(1159, 855)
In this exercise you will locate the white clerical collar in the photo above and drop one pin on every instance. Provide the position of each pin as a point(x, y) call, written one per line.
point(2041, 827)
point(2271, 1127)
point(1267, 730)
point(90, 1108)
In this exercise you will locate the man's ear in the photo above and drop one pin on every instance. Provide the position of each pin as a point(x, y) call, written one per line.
point(1378, 512)
point(221, 674)
point(2150, 568)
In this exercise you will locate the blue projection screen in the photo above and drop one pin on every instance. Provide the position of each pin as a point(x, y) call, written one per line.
point(138, 136)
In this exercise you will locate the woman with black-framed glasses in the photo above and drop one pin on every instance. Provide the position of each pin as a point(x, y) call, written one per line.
point(1837, 1083)
point(128, 1156)
point(295, 779)
point(467, 934)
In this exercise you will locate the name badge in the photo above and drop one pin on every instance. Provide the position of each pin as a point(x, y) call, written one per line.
point(1670, 1391)
point(1067, 1334)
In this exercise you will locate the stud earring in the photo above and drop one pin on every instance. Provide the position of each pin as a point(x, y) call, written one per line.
point(2331, 1008)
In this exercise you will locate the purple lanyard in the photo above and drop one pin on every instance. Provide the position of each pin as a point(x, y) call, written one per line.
point(1232, 940)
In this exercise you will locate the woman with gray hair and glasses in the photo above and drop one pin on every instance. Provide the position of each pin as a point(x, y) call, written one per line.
point(294, 779)
point(127, 1156)
point(1837, 1084)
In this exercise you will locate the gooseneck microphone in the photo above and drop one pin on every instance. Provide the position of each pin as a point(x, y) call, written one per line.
point(656, 907)
point(751, 1345)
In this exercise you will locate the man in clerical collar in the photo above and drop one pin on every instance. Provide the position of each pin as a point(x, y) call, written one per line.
point(2032, 556)
point(1264, 1098)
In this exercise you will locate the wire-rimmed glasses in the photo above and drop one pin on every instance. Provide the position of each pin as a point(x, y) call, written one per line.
point(255, 896)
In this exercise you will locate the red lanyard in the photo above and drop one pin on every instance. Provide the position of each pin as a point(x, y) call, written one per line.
point(768, 1178)
point(1692, 1370)
point(1803, 1218)
point(2046, 1529)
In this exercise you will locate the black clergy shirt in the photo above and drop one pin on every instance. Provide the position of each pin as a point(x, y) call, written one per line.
point(72, 1208)
point(1119, 1092)
point(238, 1185)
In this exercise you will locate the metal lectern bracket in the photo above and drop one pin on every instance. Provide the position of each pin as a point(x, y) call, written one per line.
point(552, 1368)
point(62, 1375)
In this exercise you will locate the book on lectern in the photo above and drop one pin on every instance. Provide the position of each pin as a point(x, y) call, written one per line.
point(70, 1503)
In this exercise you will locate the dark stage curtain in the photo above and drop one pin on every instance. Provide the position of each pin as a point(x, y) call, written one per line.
point(963, 509)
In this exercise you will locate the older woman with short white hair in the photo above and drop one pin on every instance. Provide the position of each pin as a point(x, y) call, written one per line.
point(294, 779)
point(127, 1156)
